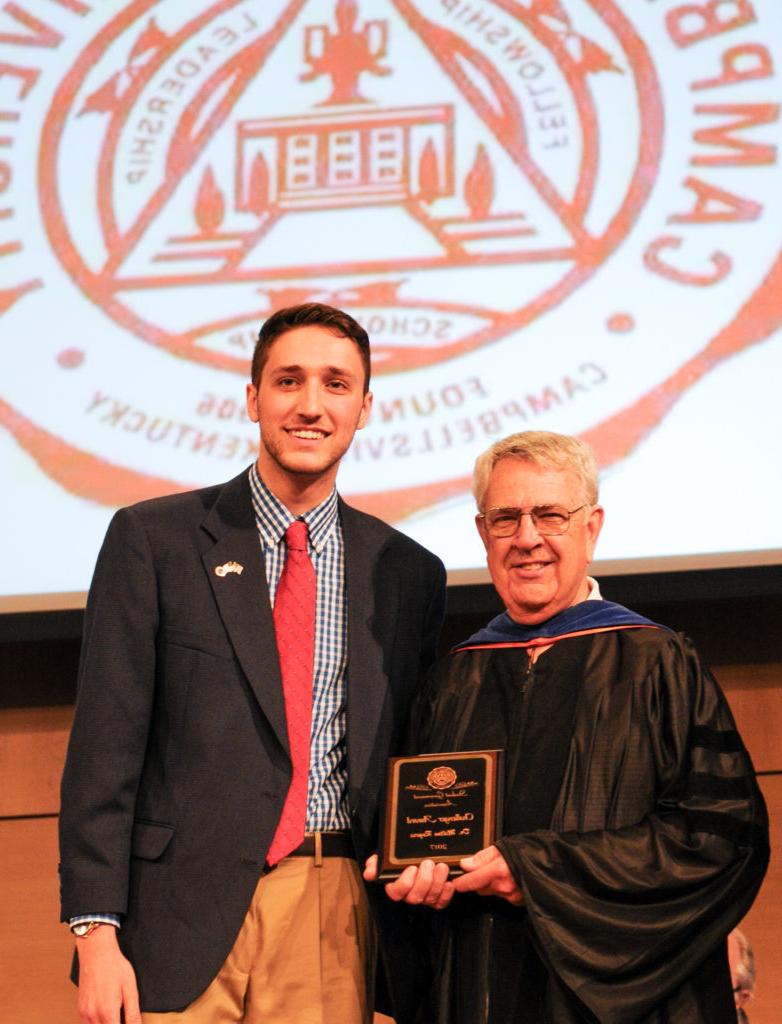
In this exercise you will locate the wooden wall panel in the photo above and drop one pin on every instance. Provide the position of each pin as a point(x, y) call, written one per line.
point(35, 950)
point(32, 752)
point(762, 924)
point(754, 693)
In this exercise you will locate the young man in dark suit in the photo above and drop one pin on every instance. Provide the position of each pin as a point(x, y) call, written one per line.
point(208, 851)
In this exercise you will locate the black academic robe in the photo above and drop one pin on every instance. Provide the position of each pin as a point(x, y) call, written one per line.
point(632, 824)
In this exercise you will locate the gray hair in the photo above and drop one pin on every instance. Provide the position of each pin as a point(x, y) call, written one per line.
point(544, 449)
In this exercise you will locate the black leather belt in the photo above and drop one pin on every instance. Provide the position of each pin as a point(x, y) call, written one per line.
point(325, 844)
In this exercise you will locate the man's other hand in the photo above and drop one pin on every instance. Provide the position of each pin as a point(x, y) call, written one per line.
point(424, 885)
point(107, 982)
point(488, 874)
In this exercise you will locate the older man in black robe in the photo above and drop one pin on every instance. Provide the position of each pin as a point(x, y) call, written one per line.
point(635, 836)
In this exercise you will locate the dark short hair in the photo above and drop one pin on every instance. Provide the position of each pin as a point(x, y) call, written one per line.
point(309, 314)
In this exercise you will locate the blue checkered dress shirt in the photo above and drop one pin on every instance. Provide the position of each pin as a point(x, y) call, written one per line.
point(328, 771)
point(327, 789)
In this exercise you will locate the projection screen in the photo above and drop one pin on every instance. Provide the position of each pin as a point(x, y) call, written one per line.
point(549, 214)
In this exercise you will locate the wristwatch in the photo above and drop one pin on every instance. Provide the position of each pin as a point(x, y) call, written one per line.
point(85, 928)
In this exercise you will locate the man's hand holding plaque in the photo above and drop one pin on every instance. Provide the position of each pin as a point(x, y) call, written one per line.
point(486, 873)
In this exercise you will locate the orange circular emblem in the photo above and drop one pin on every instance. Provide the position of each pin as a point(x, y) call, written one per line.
point(442, 777)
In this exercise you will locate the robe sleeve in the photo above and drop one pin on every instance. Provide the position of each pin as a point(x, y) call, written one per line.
point(626, 913)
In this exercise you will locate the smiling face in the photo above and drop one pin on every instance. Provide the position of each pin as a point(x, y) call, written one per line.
point(308, 404)
point(537, 576)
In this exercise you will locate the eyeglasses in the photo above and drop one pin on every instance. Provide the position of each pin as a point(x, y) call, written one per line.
point(549, 520)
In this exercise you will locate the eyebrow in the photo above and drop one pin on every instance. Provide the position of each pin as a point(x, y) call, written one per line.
point(329, 371)
point(539, 504)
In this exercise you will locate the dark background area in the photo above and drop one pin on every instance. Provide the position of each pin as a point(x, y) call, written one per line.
point(733, 616)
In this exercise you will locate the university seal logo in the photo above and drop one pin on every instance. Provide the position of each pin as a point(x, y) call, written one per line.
point(536, 207)
point(244, 162)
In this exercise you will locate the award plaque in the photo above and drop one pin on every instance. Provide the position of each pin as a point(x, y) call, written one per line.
point(440, 807)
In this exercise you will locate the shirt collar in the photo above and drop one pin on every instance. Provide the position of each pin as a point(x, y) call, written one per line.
point(273, 518)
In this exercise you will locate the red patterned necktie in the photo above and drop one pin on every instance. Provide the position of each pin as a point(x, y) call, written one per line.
point(294, 626)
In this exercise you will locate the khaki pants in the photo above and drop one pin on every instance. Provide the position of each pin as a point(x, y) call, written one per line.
point(305, 953)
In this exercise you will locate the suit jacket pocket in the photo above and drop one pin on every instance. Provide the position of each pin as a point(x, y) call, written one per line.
point(150, 839)
point(207, 644)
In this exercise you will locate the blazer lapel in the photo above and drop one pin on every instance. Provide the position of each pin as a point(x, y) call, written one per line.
point(243, 597)
point(368, 672)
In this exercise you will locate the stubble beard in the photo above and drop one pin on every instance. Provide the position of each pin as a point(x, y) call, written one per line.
point(287, 464)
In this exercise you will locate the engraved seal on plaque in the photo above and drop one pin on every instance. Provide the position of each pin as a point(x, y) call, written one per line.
point(442, 777)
